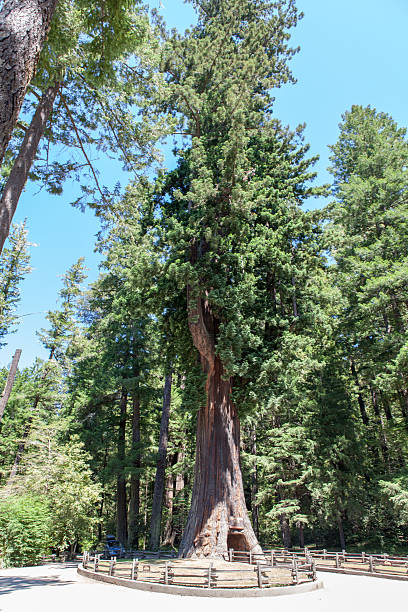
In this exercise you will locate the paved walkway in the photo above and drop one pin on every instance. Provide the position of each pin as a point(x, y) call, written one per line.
point(58, 588)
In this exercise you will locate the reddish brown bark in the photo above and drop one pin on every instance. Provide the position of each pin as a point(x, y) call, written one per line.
point(218, 518)
point(24, 26)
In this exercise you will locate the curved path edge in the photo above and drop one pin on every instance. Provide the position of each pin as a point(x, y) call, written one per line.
point(201, 592)
point(335, 570)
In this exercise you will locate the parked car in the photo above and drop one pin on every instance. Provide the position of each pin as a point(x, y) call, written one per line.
point(112, 548)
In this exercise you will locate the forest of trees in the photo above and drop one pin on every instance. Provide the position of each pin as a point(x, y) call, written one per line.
point(231, 329)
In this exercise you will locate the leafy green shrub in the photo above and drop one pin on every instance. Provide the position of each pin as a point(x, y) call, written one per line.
point(24, 530)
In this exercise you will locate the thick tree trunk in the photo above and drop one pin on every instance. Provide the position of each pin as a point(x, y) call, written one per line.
point(121, 502)
point(23, 162)
point(155, 522)
point(24, 26)
point(218, 518)
point(134, 505)
point(10, 381)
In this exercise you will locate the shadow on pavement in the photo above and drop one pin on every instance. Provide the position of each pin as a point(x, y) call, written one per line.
point(9, 584)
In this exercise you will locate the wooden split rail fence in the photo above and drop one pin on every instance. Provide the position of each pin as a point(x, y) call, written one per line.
point(262, 575)
point(383, 563)
point(269, 558)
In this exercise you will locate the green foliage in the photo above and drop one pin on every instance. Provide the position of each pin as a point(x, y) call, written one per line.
point(14, 266)
point(59, 474)
point(308, 318)
point(24, 530)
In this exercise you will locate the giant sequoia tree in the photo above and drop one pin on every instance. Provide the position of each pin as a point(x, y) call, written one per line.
point(219, 207)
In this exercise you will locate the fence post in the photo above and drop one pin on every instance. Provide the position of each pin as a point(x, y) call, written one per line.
point(295, 575)
point(112, 566)
point(134, 569)
point(313, 566)
point(337, 560)
point(272, 558)
point(166, 572)
point(258, 569)
point(324, 553)
point(209, 575)
point(344, 555)
point(250, 557)
point(371, 563)
point(231, 552)
point(363, 557)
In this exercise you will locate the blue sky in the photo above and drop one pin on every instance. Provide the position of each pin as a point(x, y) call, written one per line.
point(352, 52)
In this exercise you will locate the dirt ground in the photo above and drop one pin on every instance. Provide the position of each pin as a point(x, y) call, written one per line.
point(58, 588)
point(195, 572)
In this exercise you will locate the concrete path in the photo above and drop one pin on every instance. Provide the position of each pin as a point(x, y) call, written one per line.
point(58, 588)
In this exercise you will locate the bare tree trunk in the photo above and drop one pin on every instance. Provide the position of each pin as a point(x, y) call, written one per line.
point(24, 160)
point(218, 518)
point(24, 25)
point(155, 522)
point(134, 505)
point(121, 502)
point(10, 382)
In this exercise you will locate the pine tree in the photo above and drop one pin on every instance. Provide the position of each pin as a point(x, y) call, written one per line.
point(368, 238)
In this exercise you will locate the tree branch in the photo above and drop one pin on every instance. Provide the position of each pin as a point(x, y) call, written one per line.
point(82, 147)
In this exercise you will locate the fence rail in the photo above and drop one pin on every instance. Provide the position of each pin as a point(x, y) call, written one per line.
point(267, 569)
point(383, 563)
point(258, 574)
